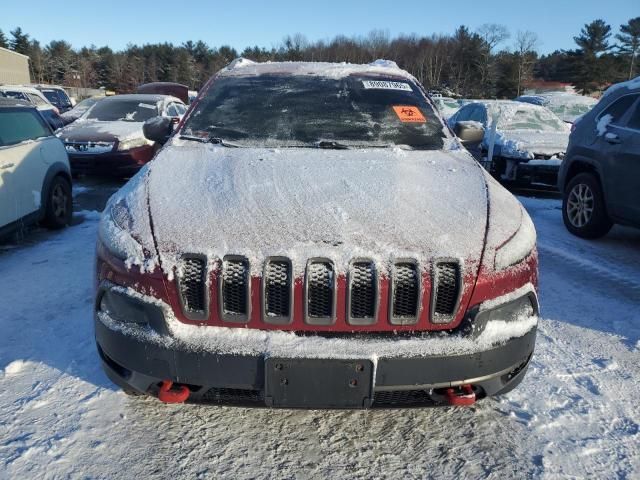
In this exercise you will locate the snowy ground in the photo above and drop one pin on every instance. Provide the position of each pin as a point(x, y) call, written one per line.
point(576, 415)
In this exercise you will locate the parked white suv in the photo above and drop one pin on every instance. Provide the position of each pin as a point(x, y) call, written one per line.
point(50, 112)
point(35, 179)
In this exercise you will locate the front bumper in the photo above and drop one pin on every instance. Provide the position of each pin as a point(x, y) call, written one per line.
point(139, 365)
point(112, 163)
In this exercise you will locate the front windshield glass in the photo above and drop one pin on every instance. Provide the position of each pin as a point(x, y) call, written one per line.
point(538, 119)
point(286, 110)
point(128, 110)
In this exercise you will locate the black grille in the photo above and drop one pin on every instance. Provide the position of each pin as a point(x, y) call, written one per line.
point(406, 291)
point(363, 290)
point(320, 280)
point(277, 289)
point(192, 285)
point(447, 288)
point(402, 398)
point(237, 396)
point(235, 287)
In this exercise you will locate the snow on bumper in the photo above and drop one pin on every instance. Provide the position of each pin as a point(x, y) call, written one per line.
point(139, 355)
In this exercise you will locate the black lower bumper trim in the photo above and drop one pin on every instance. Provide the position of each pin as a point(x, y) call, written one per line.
point(140, 366)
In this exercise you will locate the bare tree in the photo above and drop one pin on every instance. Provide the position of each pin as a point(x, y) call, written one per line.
point(525, 50)
point(492, 34)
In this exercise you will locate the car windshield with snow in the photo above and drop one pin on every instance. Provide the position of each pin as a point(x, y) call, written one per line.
point(313, 236)
point(108, 138)
point(525, 146)
point(282, 110)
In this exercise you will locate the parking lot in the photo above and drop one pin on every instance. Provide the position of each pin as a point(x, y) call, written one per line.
point(575, 415)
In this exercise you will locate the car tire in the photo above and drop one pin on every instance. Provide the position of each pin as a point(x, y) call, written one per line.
point(59, 207)
point(583, 207)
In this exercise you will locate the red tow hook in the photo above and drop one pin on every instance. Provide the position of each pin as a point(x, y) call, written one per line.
point(169, 395)
point(463, 397)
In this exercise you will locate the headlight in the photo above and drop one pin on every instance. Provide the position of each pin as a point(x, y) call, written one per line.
point(132, 143)
point(115, 232)
point(519, 246)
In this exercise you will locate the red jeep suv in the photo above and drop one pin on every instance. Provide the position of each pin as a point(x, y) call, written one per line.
point(313, 236)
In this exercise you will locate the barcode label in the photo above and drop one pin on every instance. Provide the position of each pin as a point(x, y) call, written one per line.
point(386, 85)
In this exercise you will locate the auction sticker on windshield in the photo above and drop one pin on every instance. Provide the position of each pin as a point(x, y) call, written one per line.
point(409, 114)
point(386, 85)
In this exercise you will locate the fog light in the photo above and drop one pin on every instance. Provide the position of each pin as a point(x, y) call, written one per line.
point(123, 308)
point(523, 307)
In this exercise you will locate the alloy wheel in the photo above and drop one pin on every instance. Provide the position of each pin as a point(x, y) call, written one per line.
point(580, 204)
point(59, 201)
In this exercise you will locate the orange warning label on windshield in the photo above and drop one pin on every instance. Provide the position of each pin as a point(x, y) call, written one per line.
point(409, 114)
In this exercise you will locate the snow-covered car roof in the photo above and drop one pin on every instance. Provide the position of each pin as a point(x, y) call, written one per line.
point(243, 67)
point(44, 105)
point(619, 88)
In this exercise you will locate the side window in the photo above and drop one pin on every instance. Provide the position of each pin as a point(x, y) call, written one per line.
point(634, 119)
point(464, 114)
point(35, 99)
point(618, 108)
point(478, 114)
point(171, 110)
point(182, 109)
point(20, 125)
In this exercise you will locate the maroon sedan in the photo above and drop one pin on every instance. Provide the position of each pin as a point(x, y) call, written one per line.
point(108, 138)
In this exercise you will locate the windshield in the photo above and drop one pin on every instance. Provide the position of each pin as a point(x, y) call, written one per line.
point(56, 97)
point(538, 119)
point(127, 110)
point(285, 110)
point(85, 104)
point(16, 95)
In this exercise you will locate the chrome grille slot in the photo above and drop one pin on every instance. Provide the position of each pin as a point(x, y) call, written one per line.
point(446, 291)
point(192, 287)
point(277, 294)
point(234, 289)
point(405, 294)
point(362, 300)
point(320, 293)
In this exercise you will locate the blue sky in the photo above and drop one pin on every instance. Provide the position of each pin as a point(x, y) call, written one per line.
point(242, 23)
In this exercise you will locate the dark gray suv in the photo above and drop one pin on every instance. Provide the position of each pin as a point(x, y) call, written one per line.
point(600, 175)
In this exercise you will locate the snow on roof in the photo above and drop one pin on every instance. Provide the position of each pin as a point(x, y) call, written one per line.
point(242, 66)
point(629, 85)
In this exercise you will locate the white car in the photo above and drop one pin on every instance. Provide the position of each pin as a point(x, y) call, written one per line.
point(35, 97)
point(35, 178)
point(517, 142)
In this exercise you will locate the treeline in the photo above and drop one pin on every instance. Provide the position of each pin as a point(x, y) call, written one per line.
point(488, 62)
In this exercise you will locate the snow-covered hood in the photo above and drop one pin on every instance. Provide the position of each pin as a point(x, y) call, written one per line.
point(96, 131)
point(527, 144)
point(383, 204)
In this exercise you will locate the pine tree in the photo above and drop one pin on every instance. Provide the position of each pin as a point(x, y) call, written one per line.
point(20, 42)
point(593, 41)
point(629, 38)
point(4, 43)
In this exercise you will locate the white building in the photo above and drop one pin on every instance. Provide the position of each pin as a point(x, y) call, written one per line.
point(14, 67)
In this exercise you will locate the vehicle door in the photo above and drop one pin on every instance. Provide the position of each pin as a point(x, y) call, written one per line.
point(614, 147)
point(626, 163)
point(24, 136)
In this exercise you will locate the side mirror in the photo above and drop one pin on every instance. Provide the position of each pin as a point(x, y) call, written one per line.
point(158, 129)
point(469, 133)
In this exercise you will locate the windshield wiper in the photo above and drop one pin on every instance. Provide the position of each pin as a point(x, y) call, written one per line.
point(331, 145)
point(214, 140)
